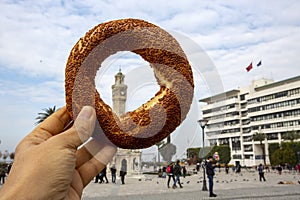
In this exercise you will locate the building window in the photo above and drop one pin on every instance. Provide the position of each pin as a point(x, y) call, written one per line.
point(275, 105)
point(224, 141)
point(248, 156)
point(248, 148)
point(237, 156)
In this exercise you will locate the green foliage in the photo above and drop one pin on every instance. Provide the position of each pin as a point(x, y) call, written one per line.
point(277, 157)
point(289, 156)
point(273, 147)
point(287, 153)
point(191, 152)
point(295, 146)
point(223, 151)
point(44, 115)
point(258, 136)
point(291, 135)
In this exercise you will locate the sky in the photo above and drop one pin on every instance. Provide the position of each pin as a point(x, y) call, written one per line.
point(220, 38)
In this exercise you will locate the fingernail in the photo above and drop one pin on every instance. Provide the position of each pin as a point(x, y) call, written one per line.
point(86, 113)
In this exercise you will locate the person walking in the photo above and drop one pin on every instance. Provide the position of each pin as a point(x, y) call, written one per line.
point(198, 167)
point(226, 168)
point(103, 175)
point(170, 173)
point(2, 173)
point(261, 172)
point(123, 171)
point(97, 178)
point(184, 171)
point(113, 172)
point(177, 173)
point(210, 171)
point(279, 169)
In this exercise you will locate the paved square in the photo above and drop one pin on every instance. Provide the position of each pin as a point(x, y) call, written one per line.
point(245, 185)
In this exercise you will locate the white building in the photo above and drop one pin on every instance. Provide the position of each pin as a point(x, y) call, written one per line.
point(265, 106)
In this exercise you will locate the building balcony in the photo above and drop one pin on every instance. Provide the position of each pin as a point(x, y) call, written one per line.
point(222, 135)
point(285, 98)
point(274, 110)
point(220, 104)
point(275, 120)
point(223, 128)
point(221, 112)
point(222, 119)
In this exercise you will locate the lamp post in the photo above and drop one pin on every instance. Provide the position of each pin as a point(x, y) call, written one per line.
point(202, 123)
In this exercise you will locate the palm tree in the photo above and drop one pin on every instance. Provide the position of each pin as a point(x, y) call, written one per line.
point(44, 115)
point(259, 136)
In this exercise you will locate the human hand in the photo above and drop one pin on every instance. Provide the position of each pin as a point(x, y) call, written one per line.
point(48, 163)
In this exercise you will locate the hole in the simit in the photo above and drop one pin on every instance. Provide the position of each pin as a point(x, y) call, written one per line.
point(125, 81)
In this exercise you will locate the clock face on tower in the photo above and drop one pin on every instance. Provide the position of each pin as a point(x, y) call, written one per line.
point(122, 93)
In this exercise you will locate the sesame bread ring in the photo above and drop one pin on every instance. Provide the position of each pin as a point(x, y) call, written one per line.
point(152, 121)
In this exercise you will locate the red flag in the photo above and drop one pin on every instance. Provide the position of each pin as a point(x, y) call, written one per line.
point(249, 67)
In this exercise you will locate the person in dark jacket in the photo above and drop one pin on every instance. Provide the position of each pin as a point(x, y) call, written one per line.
point(261, 172)
point(170, 173)
point(113, 171)
point(210, 171)
point(103, 176)
point(177, 173)
point(123, 171)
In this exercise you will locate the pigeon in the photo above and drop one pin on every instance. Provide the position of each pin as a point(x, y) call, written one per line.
point(198, 181)
point(157, 182)
point(188, 182)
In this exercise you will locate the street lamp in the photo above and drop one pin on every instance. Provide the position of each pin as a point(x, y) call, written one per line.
point(202, 123)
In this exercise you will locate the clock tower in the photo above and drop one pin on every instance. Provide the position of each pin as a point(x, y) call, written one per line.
point(132, 158)
point(119, 94)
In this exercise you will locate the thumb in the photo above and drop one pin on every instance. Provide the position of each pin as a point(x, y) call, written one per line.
point(83, 127)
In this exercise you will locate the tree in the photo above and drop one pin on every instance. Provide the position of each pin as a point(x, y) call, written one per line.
point(223, 151)
point(44, 115)
point(277, 157)
point(289, 156)
point(286, 153)
point(259, 136)
point(193, 155)
point(291, 135)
